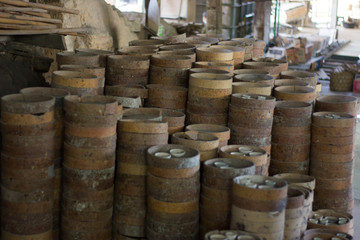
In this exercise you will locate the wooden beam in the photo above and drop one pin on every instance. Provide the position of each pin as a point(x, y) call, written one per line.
point(214, 16)
point(21, 26)
point(30, 18)
point(25, 22)
point(22, 9)
point(65, 31)
point(261, 26)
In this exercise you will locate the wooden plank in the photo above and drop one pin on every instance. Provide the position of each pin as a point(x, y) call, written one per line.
point(23, 27)
point(20, 9)
point(53, 41)
point(39, 5)
point(24, 22)
point(65, 31)
point(43, 15)
point(30, 18)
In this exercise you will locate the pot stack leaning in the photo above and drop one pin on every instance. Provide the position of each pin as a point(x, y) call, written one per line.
point(135, 135)
point(291, 138)
point(59, 95)
point(27, 166)
point(305, 184)
point(208, 98)
point(332, 160)
point(294, 214)
point(216, 190)
point(173, 187)
point(258, 205)
point(88, 167)
point(251, 119)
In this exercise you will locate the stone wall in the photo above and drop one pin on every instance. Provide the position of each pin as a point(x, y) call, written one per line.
point(110, 29)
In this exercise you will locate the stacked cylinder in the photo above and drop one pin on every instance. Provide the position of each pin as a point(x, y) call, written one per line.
point(77, 58)
point(216, 189)
point(222, 132)
point(99, 72)
point(252, 153)
point(332, 160)
point(175, 120)
point(168, 97)
point(88, 167)
point(170, 70)
point(294, 214)
point(208, 98)
point(173, 187)
point(251, 119)
point(217, 55)
point(246, 43)
point(259, 206)
point(206, 143)
point(135, 135)
point(306, 185)
point(124, 69)
point(239, 54)
point(103, 54)
point(337, 103)
point(77, 83)
point(27, 166)
point(59, 95)
point(215, 58)
point(291, 138)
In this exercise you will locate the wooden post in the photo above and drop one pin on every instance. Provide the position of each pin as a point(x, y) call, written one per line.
point(214, 16)
point(191, 10)
point(334, 8)
point(262, 20)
